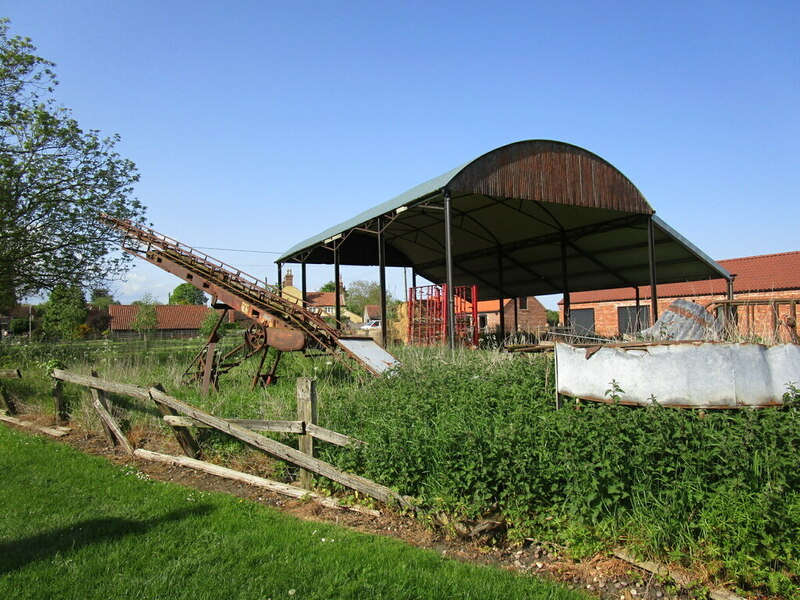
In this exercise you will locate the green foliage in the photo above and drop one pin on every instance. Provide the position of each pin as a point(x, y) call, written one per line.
point(360, 293)
point(18, 325)
point(553, 317)
point(77, 526)
point(328, 287)
point(472, 432)
point(209, 322)
point(66, 311)
point(186, 293)
point(55, 179)
point(146, 320)
point(101, 299)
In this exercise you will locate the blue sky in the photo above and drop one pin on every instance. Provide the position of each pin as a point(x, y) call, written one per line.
point(258, 124)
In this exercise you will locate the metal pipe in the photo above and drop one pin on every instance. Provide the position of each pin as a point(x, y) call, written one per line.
point(337, 286)
point(280, 276)
point(382, 271)
point(651, 258)
point(565, 280)
point(448, 259)
point(304, 284)
point(502, 294)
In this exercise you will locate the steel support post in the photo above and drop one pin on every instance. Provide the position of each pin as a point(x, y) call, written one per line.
point(304, 281)
point(337, 286)
point(502, 296)
point(280, 276)
point(382, 273)
point(651, 255)
point(565, 280)
point(448, 252)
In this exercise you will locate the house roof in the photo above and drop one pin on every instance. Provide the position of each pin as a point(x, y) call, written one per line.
point(170, 316)
point(373, 311)
point(553, 215)
point(321, 298)
point(753, 274)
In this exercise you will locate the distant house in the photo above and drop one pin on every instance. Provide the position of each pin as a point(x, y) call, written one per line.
point(524, 314)
point(174, 320)
point(372, 312)
point(321, 302)
point(759, 280)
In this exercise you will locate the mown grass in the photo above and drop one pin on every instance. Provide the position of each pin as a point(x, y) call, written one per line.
point(474, 432)
point(76, 526)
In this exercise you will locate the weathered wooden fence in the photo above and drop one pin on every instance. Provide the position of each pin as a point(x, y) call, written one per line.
point(181, 417)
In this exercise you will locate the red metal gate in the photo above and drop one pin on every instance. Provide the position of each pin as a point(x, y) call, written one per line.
point(427, 315)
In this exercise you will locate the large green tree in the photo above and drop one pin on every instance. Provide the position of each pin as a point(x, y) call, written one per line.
point(55, 179)
point(64, 313)
point(186, 293)
point(360, 293)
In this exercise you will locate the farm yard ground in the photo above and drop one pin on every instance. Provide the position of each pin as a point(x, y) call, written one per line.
point(475, 437)
point(601, 576)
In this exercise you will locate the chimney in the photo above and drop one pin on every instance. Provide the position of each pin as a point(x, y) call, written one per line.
point(341, 291)
point(288, 279)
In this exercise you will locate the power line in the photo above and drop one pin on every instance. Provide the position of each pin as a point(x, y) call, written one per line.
point(237, 250)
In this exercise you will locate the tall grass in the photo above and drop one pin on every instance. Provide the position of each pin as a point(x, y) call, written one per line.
point(470, 433)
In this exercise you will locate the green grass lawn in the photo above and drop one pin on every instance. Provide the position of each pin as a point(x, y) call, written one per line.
point(77, 526)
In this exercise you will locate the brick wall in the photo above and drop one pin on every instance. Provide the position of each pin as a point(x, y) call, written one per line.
point(529, 320)
point(753, 320)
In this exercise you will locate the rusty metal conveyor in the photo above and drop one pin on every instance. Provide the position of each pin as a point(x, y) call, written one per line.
point(285, 323)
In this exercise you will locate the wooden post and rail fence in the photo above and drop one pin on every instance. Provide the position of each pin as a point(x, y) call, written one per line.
point(181, 417)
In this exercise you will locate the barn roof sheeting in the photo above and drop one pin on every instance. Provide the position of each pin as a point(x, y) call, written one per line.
point(524, 207)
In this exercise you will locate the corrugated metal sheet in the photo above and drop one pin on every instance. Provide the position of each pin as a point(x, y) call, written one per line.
point(547, 171)
point(695, 375)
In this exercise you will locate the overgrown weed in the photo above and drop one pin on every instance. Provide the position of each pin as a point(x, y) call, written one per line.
point(468, 432)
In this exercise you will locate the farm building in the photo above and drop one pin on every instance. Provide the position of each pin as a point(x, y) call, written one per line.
point(531, 218)
point(524, 314)
point(763, 288)
point(174, 320)
point(321, 302)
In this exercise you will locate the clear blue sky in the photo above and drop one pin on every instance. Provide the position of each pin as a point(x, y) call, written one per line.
point(258, 124)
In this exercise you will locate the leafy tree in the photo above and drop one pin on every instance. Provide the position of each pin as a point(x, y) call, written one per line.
point(101, 299)
point(98, 320)
point(65, 312)
point(209, 322)
point(146, 320)
point(55, 179)
point(186, 293)
point(360, 293)
point(553, 317)
point(328, 287)
point(18, 326)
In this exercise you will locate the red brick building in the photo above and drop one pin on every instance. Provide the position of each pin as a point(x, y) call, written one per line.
point(759, 282)
point(527, 315)
point(174, 320)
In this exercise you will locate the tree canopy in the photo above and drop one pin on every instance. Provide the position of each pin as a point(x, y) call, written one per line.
point(65, 312)
point(186, 293)
point(360, 293)
point(55, 179)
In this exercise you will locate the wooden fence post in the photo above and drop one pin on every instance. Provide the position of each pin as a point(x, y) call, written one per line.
point(307, 413)
point(60, 407)
point(190, 447)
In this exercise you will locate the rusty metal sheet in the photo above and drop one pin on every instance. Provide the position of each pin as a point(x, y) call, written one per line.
point(368, 353)
point(690, 374)
point(684, 320)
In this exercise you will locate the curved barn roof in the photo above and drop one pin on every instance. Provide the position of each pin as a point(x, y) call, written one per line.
point(553, 215)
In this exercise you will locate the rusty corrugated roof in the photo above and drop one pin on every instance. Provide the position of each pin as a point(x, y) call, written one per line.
point(531, 205)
